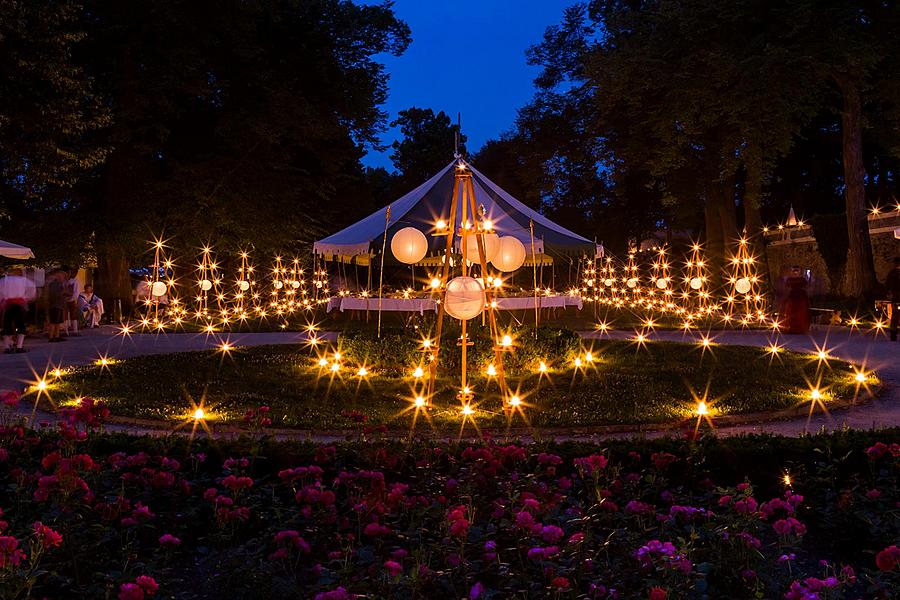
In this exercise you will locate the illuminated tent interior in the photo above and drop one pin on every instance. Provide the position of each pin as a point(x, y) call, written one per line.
point(429, 203)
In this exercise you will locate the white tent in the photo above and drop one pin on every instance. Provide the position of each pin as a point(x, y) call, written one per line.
point(10, 250)
point(424, 205)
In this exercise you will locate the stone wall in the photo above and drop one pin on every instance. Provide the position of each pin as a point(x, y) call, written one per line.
point(786, 247)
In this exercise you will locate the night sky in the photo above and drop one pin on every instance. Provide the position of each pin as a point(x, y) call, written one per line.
point(466, 56)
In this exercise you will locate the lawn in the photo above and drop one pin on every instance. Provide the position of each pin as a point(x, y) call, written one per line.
point(624, 384)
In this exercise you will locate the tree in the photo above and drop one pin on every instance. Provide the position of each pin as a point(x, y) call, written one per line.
point(851, 45)
point(49, 112)
point(243, 124)
point(427, 146)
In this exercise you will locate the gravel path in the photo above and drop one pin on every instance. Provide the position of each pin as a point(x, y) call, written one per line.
point(864, 349)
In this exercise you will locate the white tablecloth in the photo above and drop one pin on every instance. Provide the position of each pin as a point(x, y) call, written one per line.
point(543, 302)
point(421, 305)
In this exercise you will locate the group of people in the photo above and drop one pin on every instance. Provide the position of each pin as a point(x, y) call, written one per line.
point(66, 306)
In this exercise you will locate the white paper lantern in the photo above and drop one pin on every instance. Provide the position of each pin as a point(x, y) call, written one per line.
point(662, 283)
point(511, 254)
point(491, 246)
point(243, 285)
point(696, 283)
point(742, 286)
point(464, 298)
point(632, 283)
point(278, 284)
point(608, 282)
point(295, 284)
point(205, 285)
point(158, 288)
point(409, 245)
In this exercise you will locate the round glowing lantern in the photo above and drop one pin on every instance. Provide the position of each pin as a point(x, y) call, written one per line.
point(742, 286)
point(409, 245)
point(696, 283)
point(632, 283)
point(608, 282)
point(244, 285)
point(662, 283)
point(158, 288)
point(295, 284)
point(205, 285)
point(278, 284)
point(491, 246)
point(464, 298)
point(510, 255)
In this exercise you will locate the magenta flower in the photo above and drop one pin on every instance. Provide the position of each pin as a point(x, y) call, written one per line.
point(886, 560)
point(789, 526)
point(336, 594)
point(131, 591)
point(591, 465)
point(148, 584)
point(167, 540)
point(393, 568)
point(524, 520)
point(560, 583)
point(476, 591)
point(376, 530)
point(46, 536)
point(10, 553)
point(551, 534)
point(746, 506)
point(576, 538)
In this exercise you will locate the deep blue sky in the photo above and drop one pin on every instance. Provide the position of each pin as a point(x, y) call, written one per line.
point(466, 56)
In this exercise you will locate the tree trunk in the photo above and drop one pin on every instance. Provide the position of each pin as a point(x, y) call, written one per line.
point(115, 196)
point(113, 281)
point(727, 212)
point(859, 276)
point(715, 240)
point(752, 197)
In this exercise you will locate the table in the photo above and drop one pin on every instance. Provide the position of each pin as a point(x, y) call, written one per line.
point(527, 303)
point(418, 305)
point(422, 305)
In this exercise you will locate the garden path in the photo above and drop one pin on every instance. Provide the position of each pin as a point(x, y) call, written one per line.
point(18, 370)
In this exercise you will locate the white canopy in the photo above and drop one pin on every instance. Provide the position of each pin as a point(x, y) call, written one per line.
point(430, 201)
point(10, 250)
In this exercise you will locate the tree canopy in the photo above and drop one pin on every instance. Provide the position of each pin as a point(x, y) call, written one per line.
point(428, 143)
point(239, 121)
point(706, 116)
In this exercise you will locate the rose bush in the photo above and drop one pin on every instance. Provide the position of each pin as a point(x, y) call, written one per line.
point(94, 515)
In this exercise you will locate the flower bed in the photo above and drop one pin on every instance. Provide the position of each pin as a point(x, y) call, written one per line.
point(623, 384)
point(100, 516)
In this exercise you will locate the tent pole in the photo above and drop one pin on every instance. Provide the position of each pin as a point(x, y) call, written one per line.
point(492, 315)
point(369, 286)
point(537, 310)
point(445, 272)
point(387, 219)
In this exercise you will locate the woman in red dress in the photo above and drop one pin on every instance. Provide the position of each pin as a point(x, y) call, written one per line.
point(796, 304)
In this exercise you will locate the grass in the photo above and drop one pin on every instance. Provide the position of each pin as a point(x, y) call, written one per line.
point(657, 383)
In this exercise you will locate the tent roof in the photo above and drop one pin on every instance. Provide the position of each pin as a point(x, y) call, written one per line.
point(424, 205)
point(10, 250)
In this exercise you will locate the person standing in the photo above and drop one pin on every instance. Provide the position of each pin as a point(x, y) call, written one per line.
point(56, 303)
point(796, 303)
point(893, 289)
point(15, 293)
point(72, 291)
